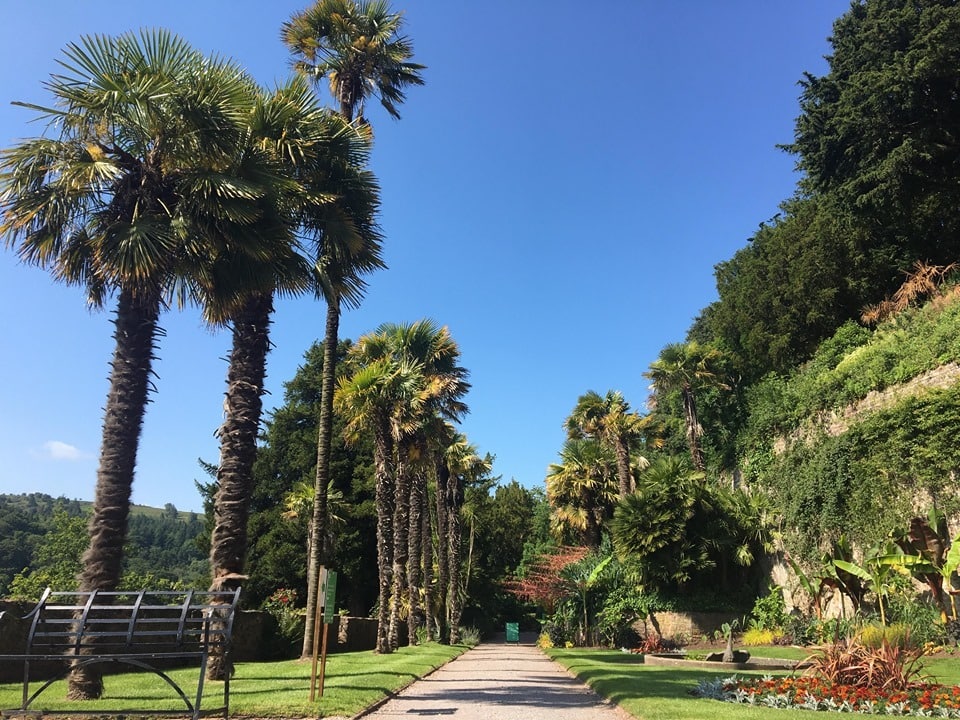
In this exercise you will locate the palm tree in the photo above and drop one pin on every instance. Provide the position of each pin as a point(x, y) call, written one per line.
point(678, 530)
point(368, 398)
point(406, 374)
point(687, 368)
point(611, 422)
point(359, 49)
point(298, 504)
point(348, 241)
point(299, 142)
point(463, 464)
point(433, 351)
point(145, 124)
point(582, 489)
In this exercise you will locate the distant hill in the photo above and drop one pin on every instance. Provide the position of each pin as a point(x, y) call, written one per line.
point(163, 543)
point(34, 501)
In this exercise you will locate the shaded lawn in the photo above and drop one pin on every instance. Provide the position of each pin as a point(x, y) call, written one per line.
point(657, 692)
point(353, 682)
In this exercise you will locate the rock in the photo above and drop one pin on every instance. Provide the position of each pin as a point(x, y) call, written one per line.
point(739, 656)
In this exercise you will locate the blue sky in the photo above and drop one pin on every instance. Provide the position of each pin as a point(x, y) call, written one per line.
point(558, 194)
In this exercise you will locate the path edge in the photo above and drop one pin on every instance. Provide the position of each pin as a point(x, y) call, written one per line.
point(376, 705)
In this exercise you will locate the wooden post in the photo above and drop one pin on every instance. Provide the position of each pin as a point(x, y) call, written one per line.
point(323, 657)
point(321, 581)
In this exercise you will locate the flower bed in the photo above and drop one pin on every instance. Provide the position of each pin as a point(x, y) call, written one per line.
point(813, 693)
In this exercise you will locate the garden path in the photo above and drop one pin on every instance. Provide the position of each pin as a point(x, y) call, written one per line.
point(496, 681)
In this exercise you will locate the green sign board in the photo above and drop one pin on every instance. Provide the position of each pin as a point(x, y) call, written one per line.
point(329, 596)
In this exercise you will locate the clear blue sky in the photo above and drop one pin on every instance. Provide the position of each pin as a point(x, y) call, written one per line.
point(558, 194)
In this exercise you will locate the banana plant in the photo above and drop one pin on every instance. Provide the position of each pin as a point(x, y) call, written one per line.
point(929, 539)
point(584, 579)
point(828, 575)
point(880, 565)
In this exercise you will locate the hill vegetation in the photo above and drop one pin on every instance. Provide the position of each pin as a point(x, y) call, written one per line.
point(42, 540)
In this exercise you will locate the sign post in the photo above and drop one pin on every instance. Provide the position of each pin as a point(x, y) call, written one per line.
point(326, 600)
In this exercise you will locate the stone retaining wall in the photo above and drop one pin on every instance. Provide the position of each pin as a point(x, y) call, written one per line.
point(682, 627)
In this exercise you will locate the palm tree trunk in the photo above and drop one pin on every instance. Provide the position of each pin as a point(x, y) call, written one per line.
point(384, 501)
point(471, 534)
point(401, 526)
point(238, 450)
point(427, 545)
point(454, 540)
point(443, 548)
point(415, 553)
point(623, 467)
point(693, 428)
point(316, 556)
point(135, 335)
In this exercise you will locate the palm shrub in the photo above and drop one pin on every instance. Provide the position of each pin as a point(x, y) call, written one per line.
point(681, 534)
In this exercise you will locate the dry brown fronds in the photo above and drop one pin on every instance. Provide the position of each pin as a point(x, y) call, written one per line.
point(922, 283)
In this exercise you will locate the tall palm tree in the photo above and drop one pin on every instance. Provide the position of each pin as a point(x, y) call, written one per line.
point(309, 151)
point(406, 374)
point(358, 47)
point(463, 464)
point(611, 422)
point(417, 457)
point(145, 126)
point(687, 368)
point(347, 241)
point(435, 353)
point(368, 398)
point(582, 489)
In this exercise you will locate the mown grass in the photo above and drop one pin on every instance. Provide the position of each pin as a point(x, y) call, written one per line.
point(654, 692)
point(353, 682)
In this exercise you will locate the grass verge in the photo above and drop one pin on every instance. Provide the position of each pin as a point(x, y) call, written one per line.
point(353, 682)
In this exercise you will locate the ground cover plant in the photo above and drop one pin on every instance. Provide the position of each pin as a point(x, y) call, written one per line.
point(353, 682)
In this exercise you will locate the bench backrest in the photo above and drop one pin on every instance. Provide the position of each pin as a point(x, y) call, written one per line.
point(128, 623)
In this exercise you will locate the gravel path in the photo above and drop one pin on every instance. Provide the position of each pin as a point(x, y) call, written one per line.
point(499, 682)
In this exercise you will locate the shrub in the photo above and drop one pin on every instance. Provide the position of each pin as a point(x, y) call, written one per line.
point(800, 630)
point(874, 636)
point(923, 619)
point(469, 636)
point(756, 636)
point(290, 620)
point(657, 644)
point(769, 612)
point(623, 606)
point(556, 633)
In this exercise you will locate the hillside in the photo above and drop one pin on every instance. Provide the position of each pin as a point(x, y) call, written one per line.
point(42, 539)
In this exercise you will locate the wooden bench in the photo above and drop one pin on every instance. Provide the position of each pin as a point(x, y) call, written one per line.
point(151, 630)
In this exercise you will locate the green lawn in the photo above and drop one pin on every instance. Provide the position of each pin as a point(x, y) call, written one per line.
point(354, 681)
point(652, 692)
